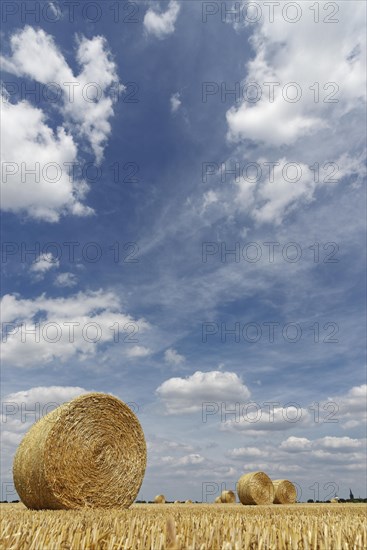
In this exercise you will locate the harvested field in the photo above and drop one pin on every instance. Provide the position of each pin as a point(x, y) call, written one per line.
point(194, 527)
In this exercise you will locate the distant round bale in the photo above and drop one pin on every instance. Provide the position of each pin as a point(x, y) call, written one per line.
point(160, 499)
point(89, 452)
point(255, 488)
point(188, 501)
point(218, 500)
point(228, 497)
point(284, 492)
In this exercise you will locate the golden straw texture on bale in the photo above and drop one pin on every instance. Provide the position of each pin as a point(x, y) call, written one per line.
point(160, 499)
point(90, 452)
point(218, 500)
point(228, 497)
point(284, 492)
point(255, 488)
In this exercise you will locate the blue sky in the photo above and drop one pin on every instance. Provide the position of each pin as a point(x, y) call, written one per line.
point(164, 236)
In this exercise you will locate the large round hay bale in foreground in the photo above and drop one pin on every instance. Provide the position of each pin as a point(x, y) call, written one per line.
point(255, 488)
point(160, 499)
point(284, 492)
point(228, 497)
point(90, 452)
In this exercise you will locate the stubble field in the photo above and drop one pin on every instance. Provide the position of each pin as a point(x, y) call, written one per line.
point(187, 527)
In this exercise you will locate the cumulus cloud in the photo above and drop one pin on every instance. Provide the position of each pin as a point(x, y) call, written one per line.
point(66, 279)
point(187, 460)
point(296, 444)
point(161, 446)
point(172, 357)
point(272, 197)
point(245, 452)
point(85, 103)
point(252, 418)
point(210, 197)
point(88, 97)
point(28, 143)
point(44, 263)
point(40, 330)
point(281, 57)
point(352, 407)
point(187, 395)
point(319, 446)
point(332, 93)
point(175, 102)
point(138, 351)
point(345, 444)
point(162, 24)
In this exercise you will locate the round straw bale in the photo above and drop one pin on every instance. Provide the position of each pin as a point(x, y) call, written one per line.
point(160, 499)
point(218, 500)
point(90, 452)
point(228, 497)
point(188, 501)
point(255, 488)
point(284, 492)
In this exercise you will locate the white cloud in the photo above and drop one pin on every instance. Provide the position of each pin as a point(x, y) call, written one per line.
point(351, 407)
point(162, 24)
point(66, 279)
point(323, 446)
point(244, 452)
point(30, 143)
point(44, 263)
point(296, 444)
point(210, 197)
point(187, 395)
point(138, 351)
point(55, 9)
point(88, 97)
point(172, 357)
point(270, 199)
point(162, 447)
point(311, 130)
point(175, 102)
point(187, 460)
point(26, 140)
point(253, 419)
point(340, 443)
point(281, 56)
point(46, 329)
